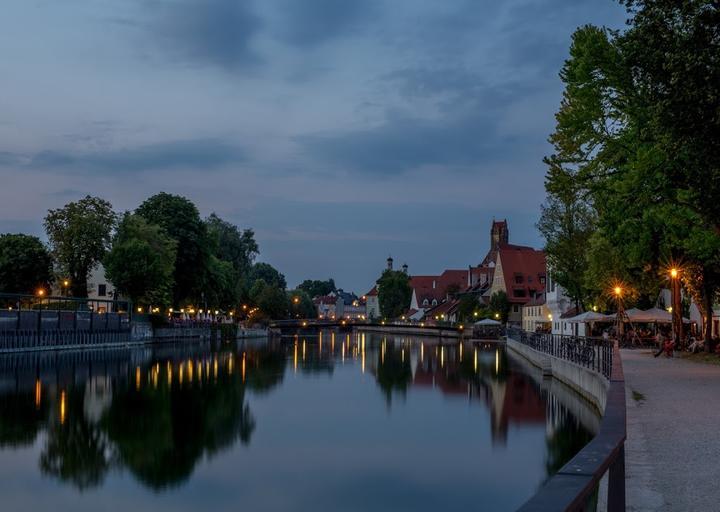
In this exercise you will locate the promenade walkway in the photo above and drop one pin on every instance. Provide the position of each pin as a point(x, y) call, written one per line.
point(673, 439)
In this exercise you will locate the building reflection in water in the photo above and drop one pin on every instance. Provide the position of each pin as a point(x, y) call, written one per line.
point(157, 411)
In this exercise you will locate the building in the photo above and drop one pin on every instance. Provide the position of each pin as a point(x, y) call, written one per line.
point(520, 273)
point(372, 304)
point(557, 302)
point(536, 315)
point(325, 306)
point(98, 285)
point(431, 291)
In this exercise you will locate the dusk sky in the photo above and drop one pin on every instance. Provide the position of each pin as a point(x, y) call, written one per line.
point(341, 131)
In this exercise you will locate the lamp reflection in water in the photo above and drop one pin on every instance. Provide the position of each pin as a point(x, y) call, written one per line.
point(243, 367)
point(38, 393)
point(476, 364)
point(295, 357)
point(62, 407)
point(137, 377)
point(497, 361)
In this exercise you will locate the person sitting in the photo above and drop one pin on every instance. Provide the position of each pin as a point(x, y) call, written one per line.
point(695, 345)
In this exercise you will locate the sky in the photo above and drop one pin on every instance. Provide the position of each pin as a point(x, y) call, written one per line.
point(341, 131)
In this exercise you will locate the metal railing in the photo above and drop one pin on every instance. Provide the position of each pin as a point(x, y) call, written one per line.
point(575, 486)
point(593, 353)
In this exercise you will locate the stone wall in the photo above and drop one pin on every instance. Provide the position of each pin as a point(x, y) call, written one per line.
point(588, 383)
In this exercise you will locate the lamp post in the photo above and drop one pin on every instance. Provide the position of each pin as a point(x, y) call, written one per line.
point(676, 305)
point(618, 291)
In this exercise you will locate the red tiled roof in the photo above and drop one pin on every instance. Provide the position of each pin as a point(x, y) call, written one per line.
point(423, 285)
point(325, 299)
point(372, 292)
point(526, 263)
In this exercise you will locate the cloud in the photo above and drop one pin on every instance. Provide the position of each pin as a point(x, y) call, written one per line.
point(466, 132)
point(312, 22)
point(205, 32)
point(202, 154)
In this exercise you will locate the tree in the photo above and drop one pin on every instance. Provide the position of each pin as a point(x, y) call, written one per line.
point(238, 248)
point(80, 234)
point(566, 223)
point(142, 261)
point(500, 306)
point(394, 293)
point(632, 135)
point(301, 304)
point(316, 288)
point(272, 300)
point(469, 305)
point(269, 274)
point(180, 219)
point(25, 264)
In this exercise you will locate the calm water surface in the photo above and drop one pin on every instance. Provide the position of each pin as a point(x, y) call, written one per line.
point(331, 422)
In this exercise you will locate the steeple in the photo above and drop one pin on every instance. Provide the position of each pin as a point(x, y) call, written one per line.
point(390, 263)
point(499, 234)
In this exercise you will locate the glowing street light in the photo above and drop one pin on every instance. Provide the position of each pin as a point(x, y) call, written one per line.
point(673, 273)
point(40, 292)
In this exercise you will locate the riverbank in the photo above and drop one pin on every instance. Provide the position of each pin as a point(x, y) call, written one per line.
point(671, 449)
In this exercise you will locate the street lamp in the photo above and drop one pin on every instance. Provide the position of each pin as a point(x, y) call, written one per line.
point(676, 305)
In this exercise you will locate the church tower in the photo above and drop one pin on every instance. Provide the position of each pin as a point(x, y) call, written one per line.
point(499, 234)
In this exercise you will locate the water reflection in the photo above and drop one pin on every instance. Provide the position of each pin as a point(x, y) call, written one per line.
point(155, 412)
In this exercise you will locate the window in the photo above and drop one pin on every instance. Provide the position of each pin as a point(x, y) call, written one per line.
point(426, 302)
point(102, 290)
point(542, 279)
point(519, 293)
point(518, 279)
point(434, 302)
point(516, 308)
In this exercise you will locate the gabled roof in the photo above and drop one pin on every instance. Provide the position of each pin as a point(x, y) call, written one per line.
point(372, 292)
point(526, 263)
point(424, 289)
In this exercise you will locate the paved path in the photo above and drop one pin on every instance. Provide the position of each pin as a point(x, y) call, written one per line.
point(673, 445)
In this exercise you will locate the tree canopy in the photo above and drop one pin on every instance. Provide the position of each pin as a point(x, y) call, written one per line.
point(632, 140)
point(316, 288)
point(80, 234)
point(142, 261)
point(25, 264)
point(394, 293)
point(180, 219)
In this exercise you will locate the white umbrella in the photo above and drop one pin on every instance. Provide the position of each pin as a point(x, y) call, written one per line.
point(588, 316)
point(488, 321)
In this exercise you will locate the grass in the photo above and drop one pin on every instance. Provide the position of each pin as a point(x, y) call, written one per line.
point(637, 396)
point(701, 357)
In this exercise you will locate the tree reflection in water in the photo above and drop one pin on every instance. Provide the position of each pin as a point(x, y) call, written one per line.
point(156, 420)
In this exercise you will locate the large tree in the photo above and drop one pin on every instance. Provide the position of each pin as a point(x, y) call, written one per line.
point(301, 304)
point(394, 293)
point(80, 234)
point(180, 219)
point(25, 264)
point(634, 133)
point(269, 274)
point(232, 245)
point(141, 262)
point(316, 288)
point(567, 222)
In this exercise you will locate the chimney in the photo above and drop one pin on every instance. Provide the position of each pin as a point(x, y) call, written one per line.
point(390, 263)
point(434, 284)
